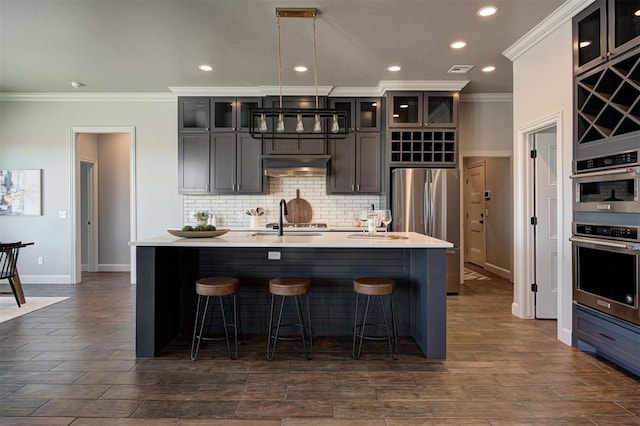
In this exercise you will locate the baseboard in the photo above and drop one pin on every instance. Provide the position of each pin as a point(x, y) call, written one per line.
point(114, 267)
point(504, 273)
point(45, 279)
point(84, 267)
point(564, 335)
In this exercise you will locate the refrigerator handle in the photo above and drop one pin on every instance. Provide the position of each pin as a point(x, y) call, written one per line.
point(427, 207)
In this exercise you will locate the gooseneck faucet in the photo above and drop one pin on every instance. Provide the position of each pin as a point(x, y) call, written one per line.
point(283, 212)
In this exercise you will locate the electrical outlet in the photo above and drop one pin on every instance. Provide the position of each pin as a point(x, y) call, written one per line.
point(274, 255)
point(40, 260)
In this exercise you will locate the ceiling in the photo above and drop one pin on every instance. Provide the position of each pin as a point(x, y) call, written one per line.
point(154, 45)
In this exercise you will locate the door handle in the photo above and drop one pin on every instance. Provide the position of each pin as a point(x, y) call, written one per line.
point(481, 221)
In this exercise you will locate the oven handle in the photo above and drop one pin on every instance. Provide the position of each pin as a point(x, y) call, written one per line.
point(624, 246)
point(627, 170)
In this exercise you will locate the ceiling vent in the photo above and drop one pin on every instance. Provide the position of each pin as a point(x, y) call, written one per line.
point(459, 69)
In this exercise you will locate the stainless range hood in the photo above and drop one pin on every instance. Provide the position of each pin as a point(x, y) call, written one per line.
point(295, 165)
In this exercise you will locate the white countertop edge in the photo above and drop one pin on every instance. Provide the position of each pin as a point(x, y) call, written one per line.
point(327, 240)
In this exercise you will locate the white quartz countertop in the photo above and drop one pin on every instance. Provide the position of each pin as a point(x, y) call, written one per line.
point(309, 238)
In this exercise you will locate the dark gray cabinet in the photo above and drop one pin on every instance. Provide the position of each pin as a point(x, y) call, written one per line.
point(219, 163)
point(295, 145)
point(603, 30)
point(194, 114)
point(237, 164)
point(363, 114)
point(356, 165)
point(232, 114)
point(422, 109)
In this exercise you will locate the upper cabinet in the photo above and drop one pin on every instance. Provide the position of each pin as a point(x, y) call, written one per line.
point(422, 109)
point(232, 114)
point(193, 114)
point(295, 145)
point(363, 114)
point(604, 30)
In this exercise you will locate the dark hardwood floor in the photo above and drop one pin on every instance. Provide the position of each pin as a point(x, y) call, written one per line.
point(74, 363)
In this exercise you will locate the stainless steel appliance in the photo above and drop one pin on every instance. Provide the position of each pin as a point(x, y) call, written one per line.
point(606, 262)
point(427, 201)
point(614, 191)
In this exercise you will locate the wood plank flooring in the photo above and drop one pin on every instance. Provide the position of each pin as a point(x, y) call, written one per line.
point(74, 363)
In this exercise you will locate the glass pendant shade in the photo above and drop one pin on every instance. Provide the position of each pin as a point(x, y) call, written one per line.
point(263, 123)
point(280, 126)
point(317, 128)
point(335, 127)
point(299, 125)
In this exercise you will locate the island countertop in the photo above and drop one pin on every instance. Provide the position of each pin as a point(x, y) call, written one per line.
point(300, 239)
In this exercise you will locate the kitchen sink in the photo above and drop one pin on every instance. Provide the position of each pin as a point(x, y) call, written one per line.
point(289, 234)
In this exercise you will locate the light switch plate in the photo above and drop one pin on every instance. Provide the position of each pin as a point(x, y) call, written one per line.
point(62, 214)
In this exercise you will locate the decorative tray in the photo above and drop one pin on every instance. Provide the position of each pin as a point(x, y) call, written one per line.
point(197, 234)
point(378, 237)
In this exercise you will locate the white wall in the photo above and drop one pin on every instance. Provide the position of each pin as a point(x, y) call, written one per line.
point(542, 88)
point(36, 134)
point(113, 202)
point(485, 124)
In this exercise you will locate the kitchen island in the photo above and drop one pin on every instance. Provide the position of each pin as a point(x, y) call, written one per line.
point(167, 268)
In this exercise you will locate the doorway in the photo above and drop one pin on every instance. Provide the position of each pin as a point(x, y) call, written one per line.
point(474, 188)
point(543, 150)
point(118, 147)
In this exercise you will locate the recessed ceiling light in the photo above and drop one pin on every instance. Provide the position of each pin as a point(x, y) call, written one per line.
point(487, 11)
point(458, 44)
point(637, 12)
point(585, 43)
point(205, 67)
point(77, 84)
point(489, 68)
point(404, 106)
point(300, 68)
point(396, 115)
point(394, 68)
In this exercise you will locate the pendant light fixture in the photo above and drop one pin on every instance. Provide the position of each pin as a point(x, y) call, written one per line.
point(271, 121)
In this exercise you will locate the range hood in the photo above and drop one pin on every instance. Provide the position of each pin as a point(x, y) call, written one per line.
point(295, 165)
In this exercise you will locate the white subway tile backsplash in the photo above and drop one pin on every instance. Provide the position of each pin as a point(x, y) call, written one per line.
point(335, 210)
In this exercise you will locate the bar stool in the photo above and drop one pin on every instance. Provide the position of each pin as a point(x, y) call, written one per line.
point(286, 287)
point(216, 287)
point(379, 287)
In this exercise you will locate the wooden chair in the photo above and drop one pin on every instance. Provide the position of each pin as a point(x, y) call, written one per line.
point(8, 265)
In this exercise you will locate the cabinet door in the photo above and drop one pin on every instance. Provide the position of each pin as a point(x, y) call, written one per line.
point(589, 41)
point(367, 114)
point(348, 106)
point(193, 114)
point(249, 174)
point(223, 114)
point(441, 109)
point(193, 163)
point(223, 161)
point(368, 163)
point(342, 171)
point(243, 113)
point(624, 25)
point(405, 109)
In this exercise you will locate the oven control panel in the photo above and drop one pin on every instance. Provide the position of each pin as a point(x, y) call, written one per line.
point(614, 232)
point(607, 162)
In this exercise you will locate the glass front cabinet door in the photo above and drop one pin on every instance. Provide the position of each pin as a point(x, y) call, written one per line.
point(193, 114)
point(405, 109)
point(441, 109)
point(232, 114)
point(624, 25)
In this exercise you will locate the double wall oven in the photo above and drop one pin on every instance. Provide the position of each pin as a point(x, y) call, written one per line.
point(606, 235)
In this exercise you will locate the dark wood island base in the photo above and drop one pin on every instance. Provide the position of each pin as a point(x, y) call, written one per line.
point(166, 298)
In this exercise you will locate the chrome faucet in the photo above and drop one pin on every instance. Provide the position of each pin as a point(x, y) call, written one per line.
point(283, 212)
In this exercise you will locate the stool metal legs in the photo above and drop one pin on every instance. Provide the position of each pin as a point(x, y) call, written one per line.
point(305, 330)
point(197, 334)
point(392, 336)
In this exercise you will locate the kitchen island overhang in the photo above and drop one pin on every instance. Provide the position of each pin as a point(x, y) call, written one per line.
point(167, 268)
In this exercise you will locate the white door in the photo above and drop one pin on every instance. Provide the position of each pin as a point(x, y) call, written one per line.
point(546, 230)
point(89, 215)
point(474, 213)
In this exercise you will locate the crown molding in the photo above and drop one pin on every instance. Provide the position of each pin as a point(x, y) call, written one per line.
point(87, 97)
point(251, 91)
point(549, 24)
point(426, 85)
point(486, 97)
point(355, 92)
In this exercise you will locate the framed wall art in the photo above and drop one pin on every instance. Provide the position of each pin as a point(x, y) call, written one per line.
point(20, 192)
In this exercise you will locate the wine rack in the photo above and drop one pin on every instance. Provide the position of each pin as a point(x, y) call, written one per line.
point(608, 100)
point(423, 147)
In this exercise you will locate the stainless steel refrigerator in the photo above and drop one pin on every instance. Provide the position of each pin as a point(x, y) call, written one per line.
point(427, 201)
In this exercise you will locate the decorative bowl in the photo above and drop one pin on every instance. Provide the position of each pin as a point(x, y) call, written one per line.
point(197, 234)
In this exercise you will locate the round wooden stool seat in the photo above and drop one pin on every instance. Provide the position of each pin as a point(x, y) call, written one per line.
point(374, 286)
point(290, 286)
point(217, 286)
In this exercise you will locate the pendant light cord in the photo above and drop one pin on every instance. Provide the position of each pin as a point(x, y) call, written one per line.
point(280, 66)
point(315, 60)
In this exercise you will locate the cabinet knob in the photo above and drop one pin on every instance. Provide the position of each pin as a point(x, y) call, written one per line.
point(353, 189)
point(358, 188)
